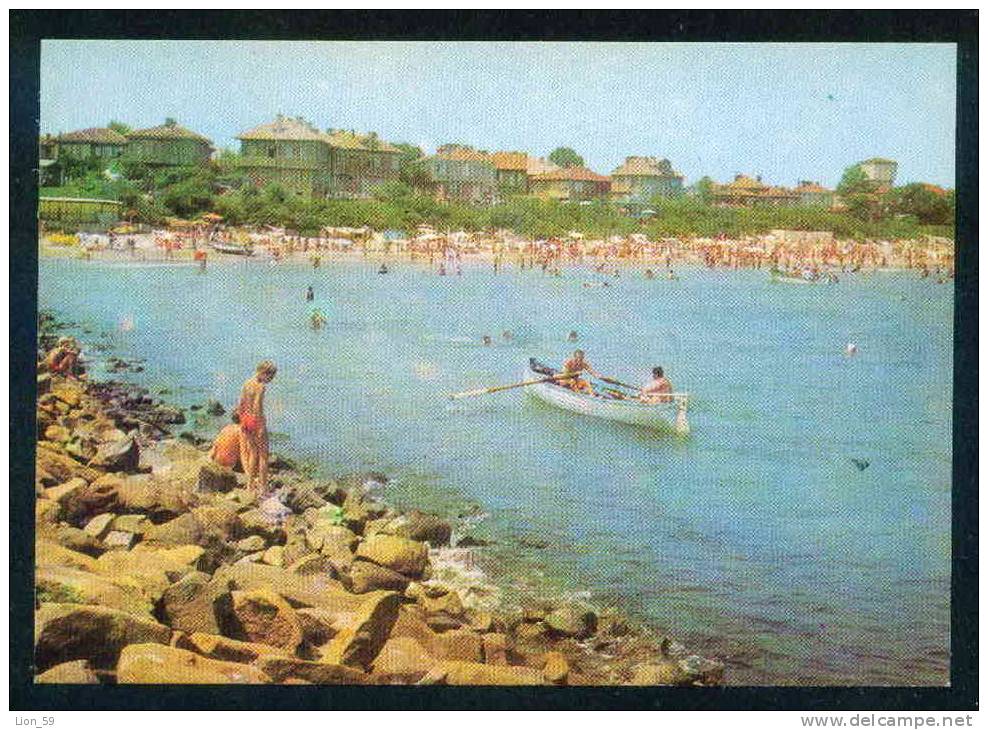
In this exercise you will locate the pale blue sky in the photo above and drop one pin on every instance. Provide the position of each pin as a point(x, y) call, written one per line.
point(784, 111)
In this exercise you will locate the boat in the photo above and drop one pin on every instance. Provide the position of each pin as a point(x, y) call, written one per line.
point(233, 248)
point(659, 416)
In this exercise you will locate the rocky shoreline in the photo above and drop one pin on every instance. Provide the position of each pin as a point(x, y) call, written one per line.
point(155, 566)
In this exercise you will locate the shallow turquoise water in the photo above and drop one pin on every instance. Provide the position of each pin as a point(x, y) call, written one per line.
point(756, 539)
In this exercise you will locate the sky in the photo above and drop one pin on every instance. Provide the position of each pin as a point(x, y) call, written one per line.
point(787, 112)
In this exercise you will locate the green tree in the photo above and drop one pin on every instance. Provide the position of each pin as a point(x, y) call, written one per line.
point(853, 181)
point(704, 188)
point(412, 169)
point(565, 157)
point(929, 205)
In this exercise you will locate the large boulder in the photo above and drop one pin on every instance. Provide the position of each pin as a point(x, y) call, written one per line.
point(456, 644)
point(66, 632)
point(61, 584)
point(420, 527)
point(77, 672)
point(666, 672)
point(402, 660)
point(62, 467)
point(160, 499)
point(155, 664)
point(473, 673)
point(301, 496)
point(281, 669)
point(121, 455)
point(99, 526)
point(556, 668)
point(571, 621)
point(192, 604)
point(264, 617)
point(73, 538)
point(395, 553)
point(364, 577)
point(155, 568)
point(84, 503)
point(227, 649)
point(47, 552)
point(215, 477)
point(361, 638)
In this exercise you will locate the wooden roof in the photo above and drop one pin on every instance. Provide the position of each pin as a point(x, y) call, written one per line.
point(169, 130)
point(284, 129)
point(578, 174)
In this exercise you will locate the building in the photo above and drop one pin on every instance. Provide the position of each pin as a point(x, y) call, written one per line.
point(359, 163)
point(288, 152)
point(512, 172)
point(462, 173)
point(745, 192)
point(880, 170)
point(302, 159)
point(814, 195)
point(569, 184)
point(539, 166)
point(95, 143)
point(49, 169)
point(640, 179)
point(168, 145)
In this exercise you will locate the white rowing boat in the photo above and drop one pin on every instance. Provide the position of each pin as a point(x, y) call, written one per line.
point(659, 416)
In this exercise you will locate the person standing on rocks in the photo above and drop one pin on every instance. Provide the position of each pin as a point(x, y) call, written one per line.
point(254, 431)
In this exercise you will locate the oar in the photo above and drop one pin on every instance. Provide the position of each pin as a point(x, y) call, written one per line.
point(498, 388)
point(612, 381)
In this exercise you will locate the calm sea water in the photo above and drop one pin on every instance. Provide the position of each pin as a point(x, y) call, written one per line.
point(756, 539)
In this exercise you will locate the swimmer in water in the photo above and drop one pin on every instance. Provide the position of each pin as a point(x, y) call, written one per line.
point(851, 350)
point(572, 336)
point(317, 320)
point(507, 336)
point(486, 339)
point(309, 294)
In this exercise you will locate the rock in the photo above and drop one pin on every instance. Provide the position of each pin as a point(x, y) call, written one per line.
point(119, 540)
point(402, 660)
point(358, 510)
point(156, 664)
point(183, 530)
point(44, 383)
point(420, 527)
point(395, 553)
point(215, 408)
point(75, 539)
point(472, 673)
point(448, 603)
point(358, 642)
point(299, 590)
point(661, 673)
point(67, 632)
point(454, 644)
point(153, 567)
point(68, 394)
point(251, 544)
point(226, 649)
point(470, 541)
point(531, 632)
point(256, 522)
point(462, 644)
point(160, 500)
point(556, 668)
point(59, 584)
point(312, 564)
point(122, 455)
point(495, 649)
point(215, 477)
point(99, 495)
point(57, 433)
point(220, 516)
point(65, 489)
point(190, 604)
point(165, 414)
point(365, 577)
point(480, 621)
point(77, 672)
point(571, 621)
point(46, 512)
point(300, 497)
point(281, 669)
point(706, 671)
point(137, 524)
point(264, 617)
point(47, 552)
point(99, 525)
point(273, 556)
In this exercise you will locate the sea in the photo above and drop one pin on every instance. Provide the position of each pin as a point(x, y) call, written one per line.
point(801, 533)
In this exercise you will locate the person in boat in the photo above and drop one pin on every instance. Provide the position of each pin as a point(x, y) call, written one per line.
point(253, 427)
point(572, 336)
point(657, 389)
point(310, 293)
point(226, 446)
point(578, 363)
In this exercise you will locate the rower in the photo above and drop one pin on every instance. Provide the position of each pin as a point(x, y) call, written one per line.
point(578, 363)
point(657, 389)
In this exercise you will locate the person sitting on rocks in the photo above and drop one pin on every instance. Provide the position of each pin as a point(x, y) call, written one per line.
point(226, 447)
point(63, 358)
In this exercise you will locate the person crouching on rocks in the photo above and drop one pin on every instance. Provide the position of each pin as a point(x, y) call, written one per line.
point(63, 358)
point(253, 429)
point(226, 447)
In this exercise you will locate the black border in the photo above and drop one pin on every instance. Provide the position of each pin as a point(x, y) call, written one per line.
point(28, 27)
